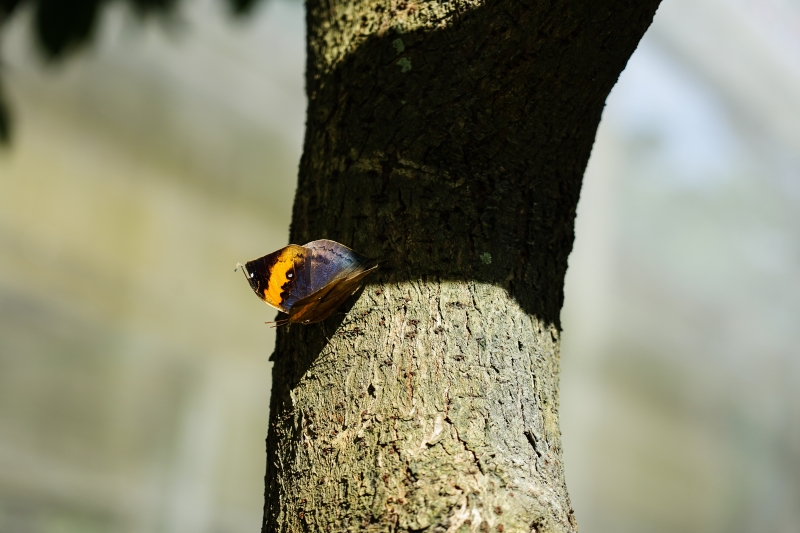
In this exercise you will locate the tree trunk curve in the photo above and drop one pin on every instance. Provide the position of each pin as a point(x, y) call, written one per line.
point(449, 140)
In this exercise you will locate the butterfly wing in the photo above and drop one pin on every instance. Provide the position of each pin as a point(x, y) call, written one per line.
point(308, 282)
point(335, 272)
point(330, 261)
point(274, 277)
point(321, 304)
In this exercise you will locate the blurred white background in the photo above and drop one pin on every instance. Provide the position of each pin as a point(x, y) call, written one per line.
point(681, 356)
point(134, 381)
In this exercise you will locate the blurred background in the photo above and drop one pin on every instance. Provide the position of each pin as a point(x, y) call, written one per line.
point(134, 381)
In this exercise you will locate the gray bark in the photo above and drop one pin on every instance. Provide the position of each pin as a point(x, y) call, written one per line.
point(449, 140)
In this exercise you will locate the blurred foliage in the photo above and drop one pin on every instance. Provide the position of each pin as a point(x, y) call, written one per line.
point(62, 26)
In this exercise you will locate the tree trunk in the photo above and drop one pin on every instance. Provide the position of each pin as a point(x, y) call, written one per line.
point(449, 140)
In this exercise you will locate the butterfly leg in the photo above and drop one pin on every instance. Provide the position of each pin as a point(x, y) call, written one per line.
point(325, 331)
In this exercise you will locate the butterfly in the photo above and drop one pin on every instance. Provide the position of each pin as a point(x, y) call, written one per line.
point(307, 282)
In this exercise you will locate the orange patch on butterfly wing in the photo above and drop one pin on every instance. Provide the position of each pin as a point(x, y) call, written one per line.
point(279, 278)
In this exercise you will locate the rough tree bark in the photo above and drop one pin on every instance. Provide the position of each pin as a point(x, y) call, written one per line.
point(448, 139)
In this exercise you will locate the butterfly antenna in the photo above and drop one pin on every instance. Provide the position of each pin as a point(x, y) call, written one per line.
point(244, 271)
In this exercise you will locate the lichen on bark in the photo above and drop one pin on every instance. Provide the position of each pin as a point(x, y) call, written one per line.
point(447, 139)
